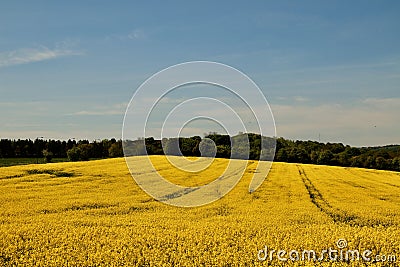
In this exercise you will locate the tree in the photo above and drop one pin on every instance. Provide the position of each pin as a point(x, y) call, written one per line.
point(85, 151)
point(196, 142)
point(223, 151)
point(381, 163)
point(298, 155)
point(396, 164)
point(79, 152)
point(325, 157)
point(369, 162)
point(207, 148)
point(134, 148)
point(171, 147)
point(116, 150)
point(282, 155)
point(356, 161)
point(74, 154)
point(314, 157)
point(48, 155)
point(186, 146)
point(343, 159)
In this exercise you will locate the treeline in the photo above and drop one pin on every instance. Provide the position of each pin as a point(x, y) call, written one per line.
point(223, 146)
point(337, 154)
point(241, 146)
point(49, 149)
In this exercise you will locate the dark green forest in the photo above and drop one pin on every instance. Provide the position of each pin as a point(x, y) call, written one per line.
point(245, 146)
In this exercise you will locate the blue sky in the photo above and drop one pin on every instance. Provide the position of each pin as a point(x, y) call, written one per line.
point(329, 68)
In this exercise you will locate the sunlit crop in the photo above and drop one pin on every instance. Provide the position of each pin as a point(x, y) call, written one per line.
point(93, 214)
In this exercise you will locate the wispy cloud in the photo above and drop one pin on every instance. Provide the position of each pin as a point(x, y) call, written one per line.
point(301, 99)
point(383, 102)
point(98, 112)
point(36, 54)
point(371, 121)
point(384, 63)
point(135, 34)
point(116, 109)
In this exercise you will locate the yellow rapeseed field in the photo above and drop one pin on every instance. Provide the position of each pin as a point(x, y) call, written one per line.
point(94, 214)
